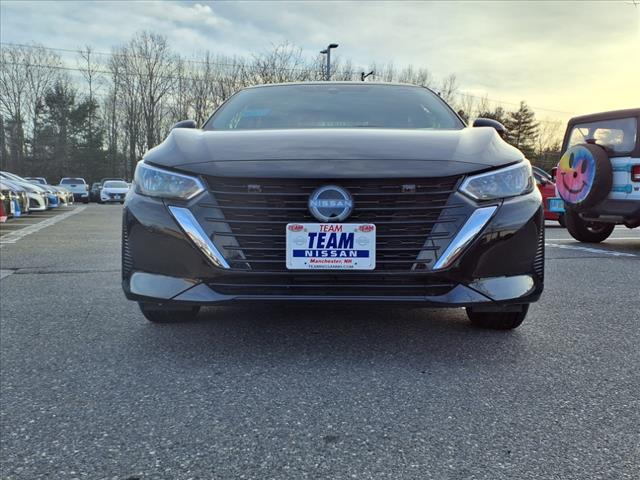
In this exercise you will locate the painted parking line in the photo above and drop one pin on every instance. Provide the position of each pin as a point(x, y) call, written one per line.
point(18, 223)
point(5, 273)
point(635, 239)
point(13, 237)
point(599, 251)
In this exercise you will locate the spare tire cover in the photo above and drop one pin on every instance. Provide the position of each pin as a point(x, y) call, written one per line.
point(584, 176)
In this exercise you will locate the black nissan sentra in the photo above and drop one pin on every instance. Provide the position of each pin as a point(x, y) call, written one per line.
point(334, 192)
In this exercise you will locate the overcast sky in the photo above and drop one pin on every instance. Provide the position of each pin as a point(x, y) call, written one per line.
point(574, 57)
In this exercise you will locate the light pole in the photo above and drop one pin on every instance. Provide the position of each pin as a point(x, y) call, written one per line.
point(327, 52)
point(363, 75)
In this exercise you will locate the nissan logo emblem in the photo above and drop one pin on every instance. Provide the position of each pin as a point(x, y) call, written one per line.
point(330, 204)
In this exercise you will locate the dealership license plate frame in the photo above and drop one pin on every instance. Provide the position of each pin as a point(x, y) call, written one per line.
point(364, 240)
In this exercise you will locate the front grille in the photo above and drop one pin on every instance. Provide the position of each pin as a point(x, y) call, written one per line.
point(254, 213)
point(538, 262)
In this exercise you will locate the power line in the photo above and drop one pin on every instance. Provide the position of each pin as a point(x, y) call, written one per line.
point(109, 72)
point(243, 66)
point(131, 55)
point(514, 104)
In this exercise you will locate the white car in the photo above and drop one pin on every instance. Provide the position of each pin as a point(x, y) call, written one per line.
point(114, 191)
point(38, 196)
point(65, 196)
point(78, 187)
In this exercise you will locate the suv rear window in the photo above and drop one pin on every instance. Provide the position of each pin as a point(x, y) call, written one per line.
point(619, 135)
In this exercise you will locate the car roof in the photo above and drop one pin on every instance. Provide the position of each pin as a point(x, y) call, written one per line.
point(609, 115)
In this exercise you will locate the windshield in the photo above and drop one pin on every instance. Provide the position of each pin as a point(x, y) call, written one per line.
point(334, 106)
point(115, 184)
point(71, 180)
point(37, 180)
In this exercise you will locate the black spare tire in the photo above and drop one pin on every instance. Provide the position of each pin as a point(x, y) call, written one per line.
point(584, 176)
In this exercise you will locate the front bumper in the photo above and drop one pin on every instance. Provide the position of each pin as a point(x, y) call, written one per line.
point(37, 202)
point(112, 197)
point(81, 196)
point(501, 265)
point(54, 201)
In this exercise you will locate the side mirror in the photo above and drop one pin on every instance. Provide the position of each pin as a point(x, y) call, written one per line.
point(186, 124)
point(489, 122)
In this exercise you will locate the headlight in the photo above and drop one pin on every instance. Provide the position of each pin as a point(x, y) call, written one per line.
point(505, 182)
point(155, 182)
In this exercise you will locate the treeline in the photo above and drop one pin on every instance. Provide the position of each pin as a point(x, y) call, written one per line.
point(97, 118)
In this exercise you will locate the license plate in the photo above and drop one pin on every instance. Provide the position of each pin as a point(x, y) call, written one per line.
point(556, 205)
point(117, 197)
point(331, 246)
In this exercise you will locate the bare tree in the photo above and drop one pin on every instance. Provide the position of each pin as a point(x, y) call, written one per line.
point(483, 105)
point(283, 63)
point(26, 73)
point(126, 105)
point(90, 69)
point(156, 69)
point(13, 100)
point(449, 88)
point(466, 106)
point(549, 136)
point(203, 89)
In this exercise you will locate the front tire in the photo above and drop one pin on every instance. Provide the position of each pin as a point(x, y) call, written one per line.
point(497, 320)
point(561, 221)
point(585, 231)
point(155, 313)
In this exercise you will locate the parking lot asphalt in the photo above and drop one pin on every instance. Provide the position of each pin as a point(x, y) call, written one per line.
point(90, 389)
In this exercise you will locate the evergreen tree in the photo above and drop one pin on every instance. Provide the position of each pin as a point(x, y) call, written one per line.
point(522, 129)
point(54, 137)
point(70, 143)
point(88, 140)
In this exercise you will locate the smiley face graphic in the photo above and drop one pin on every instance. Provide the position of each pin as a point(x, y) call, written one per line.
point(576, 172)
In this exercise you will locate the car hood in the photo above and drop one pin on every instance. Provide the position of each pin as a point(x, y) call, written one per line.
point(76, 187)
point(333, 153)
point(27, 187)
point(115, 190)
